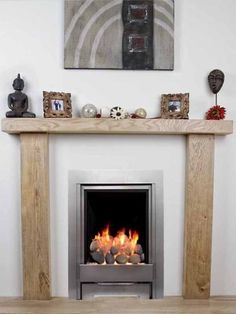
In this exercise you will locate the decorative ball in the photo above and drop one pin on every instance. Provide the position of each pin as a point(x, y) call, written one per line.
point(89, 111)
point(141, 113)
point(118, 113)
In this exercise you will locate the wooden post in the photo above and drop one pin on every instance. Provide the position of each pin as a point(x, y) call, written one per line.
point(198, 216)
point(35, 215)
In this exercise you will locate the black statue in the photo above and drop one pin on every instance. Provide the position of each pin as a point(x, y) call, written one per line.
point(18, 101)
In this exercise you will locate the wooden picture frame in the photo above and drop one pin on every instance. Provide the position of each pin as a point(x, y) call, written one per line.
point(57, 105)
point(175, 106)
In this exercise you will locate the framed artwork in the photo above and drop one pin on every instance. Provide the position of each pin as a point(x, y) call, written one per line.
point(175, 106)
point(119, 34)
point(57, 105)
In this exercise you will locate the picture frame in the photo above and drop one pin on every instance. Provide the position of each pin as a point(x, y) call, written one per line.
point(175, 106)
point(57, 105)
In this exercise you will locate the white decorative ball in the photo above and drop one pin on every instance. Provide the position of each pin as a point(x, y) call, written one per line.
point(118, 113)
point(89, 111)
point(141, 113)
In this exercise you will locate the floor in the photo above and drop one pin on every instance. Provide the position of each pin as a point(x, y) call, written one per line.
point(119, 306)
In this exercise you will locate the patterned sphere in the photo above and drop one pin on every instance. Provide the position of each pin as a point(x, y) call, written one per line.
point(140, 113)
point(118, 113)
point(89, 111)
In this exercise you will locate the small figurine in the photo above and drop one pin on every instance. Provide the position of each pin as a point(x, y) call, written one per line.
point(216, 80)
point(18, 101)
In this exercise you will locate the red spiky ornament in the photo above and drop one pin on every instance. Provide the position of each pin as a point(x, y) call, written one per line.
point(216, 113)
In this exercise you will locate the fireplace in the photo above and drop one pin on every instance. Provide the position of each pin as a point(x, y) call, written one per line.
point(115, 234)
point(200, 143)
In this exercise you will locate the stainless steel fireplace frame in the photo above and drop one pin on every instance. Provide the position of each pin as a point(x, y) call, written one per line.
point(111, 187)
point(79, 272)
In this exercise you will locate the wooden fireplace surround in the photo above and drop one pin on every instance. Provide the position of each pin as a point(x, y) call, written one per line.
point(34, 135)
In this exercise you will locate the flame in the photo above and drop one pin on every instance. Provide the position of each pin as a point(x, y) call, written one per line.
point(105, 233)
point(121, 236)
point(133, 239)
point(104, 240)
point(121, 241)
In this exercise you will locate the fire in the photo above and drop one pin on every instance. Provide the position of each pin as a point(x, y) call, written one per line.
point(121, 246)
point(105, 237)
point(105, 240)
point(121, 240)
point(133, 239)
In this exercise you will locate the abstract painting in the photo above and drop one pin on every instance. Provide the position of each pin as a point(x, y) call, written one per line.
point(119, 34)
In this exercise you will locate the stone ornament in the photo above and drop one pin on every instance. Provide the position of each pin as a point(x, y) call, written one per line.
point(89, 111)
point(140, 113)
point(18, 101)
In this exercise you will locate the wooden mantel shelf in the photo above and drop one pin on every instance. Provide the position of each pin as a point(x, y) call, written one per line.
point(110, 126)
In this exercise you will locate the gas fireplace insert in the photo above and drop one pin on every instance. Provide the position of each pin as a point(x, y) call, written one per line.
point(115, 234)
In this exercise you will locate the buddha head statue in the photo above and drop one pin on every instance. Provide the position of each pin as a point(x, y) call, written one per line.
point(18, 83)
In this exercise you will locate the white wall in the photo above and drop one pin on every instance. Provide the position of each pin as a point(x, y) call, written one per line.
point(31, 34)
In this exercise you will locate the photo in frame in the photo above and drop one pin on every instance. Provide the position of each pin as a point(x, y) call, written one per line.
point(57, 105)
point(175, 106)
point(119, 34)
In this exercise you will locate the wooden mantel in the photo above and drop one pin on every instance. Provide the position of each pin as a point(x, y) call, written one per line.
point(200, 136)
point(110, 126)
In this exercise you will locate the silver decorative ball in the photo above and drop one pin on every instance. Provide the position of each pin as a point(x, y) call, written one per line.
point(89, 111)
point(141, 113)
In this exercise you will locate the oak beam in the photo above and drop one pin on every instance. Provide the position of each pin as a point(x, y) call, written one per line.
point(35, 216)
point(111, 126)
point(198, 216)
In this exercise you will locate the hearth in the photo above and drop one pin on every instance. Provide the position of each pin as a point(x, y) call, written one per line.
point(115, 234)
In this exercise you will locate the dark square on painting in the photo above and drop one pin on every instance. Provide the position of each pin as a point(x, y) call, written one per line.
point(137, 13)
point(119, 34)
point(137, 43)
